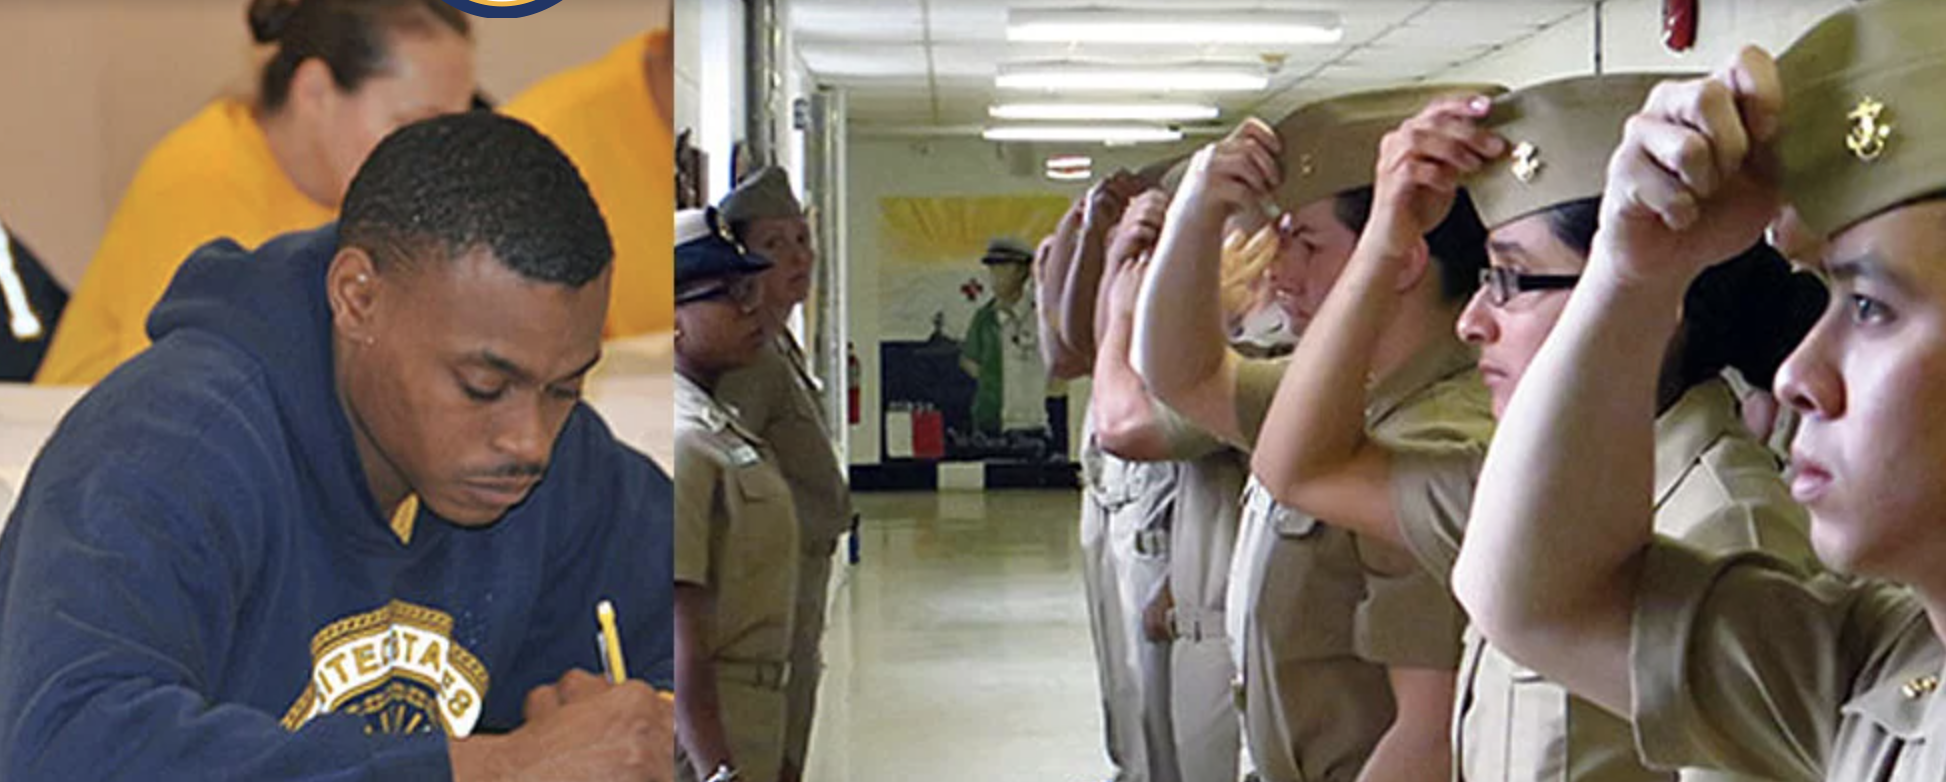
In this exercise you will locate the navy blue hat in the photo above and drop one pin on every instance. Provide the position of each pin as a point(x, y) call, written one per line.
point(1007, 250)
point(705, 251)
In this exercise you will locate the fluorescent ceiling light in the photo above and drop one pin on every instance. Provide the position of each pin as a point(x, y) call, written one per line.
point(1186, 78)
point(1167, 27)
point(1104, 133)
point(1070, 176)
point(1127, 112)
point(1070, 161)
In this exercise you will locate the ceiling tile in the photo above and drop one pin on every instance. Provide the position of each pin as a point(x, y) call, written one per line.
point(855, 44)
point(836, 59)
point(853, 20)
point(963, 60)
point(968, 21)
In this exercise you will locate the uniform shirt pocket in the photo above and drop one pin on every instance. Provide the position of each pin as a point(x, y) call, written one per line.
point(763, 531)
point(760, 484)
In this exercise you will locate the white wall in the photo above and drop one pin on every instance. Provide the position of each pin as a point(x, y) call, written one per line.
point(798, 83)
point(689, 62)
point(881, 167)
point(710, 52)
point(1631, 35)
point(719, 81)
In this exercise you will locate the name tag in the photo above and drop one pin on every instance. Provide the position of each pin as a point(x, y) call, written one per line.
point(743, 455)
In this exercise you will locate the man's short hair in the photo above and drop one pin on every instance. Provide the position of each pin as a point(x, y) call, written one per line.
point(447, 186)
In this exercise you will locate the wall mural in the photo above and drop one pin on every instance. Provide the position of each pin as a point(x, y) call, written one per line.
point(960, 357)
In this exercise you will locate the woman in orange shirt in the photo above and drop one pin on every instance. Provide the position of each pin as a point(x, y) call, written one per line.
point(614, 119)
point(345, 73)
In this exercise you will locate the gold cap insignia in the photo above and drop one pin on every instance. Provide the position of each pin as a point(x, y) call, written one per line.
point(1923, 685)
point(1869, 130)
point(1305, 165)
point(1527, 161)
point(721, 228)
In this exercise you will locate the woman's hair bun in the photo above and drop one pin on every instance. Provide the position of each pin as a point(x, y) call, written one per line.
point(270, 19)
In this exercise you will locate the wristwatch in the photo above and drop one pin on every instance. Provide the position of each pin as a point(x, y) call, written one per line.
point(724, 773)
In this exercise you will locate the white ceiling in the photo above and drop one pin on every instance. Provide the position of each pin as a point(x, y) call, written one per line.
point(927, 66)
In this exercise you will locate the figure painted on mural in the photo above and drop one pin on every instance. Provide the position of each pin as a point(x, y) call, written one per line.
point(1002, 349)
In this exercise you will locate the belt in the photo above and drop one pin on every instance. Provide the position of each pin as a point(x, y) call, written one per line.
point(762, 675)
point(1113, 499)
point(1197, 625)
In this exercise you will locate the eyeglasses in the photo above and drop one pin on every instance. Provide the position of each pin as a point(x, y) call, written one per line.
point(742, 290)
point(1503, 284)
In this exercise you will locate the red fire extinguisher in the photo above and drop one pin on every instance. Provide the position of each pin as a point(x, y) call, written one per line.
point(1679, 24)
point(851, 383)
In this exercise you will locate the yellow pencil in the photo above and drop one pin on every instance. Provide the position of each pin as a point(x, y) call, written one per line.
point(611, 643)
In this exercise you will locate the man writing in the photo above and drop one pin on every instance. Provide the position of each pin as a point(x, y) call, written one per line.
point(348, 512)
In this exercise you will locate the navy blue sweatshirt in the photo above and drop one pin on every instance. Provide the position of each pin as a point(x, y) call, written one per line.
point(197, 584)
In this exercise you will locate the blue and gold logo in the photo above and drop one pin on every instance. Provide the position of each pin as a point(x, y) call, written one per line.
point(502, 9)
point(399, 668)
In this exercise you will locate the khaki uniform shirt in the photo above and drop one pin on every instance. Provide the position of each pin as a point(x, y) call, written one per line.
point(1782, 430)
point(1435, 401)
point(1716, 488)
point(736, 533)
point(1755, 663)
point(1256, 388)
point(1204, 537)
point(777, 398)
point(1317, 596)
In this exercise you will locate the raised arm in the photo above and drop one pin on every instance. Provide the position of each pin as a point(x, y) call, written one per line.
point(1126, 421)
point(1051, 263)
point(1564, 514)
point(1322, 461)
point(1101, 210)
point(1179, 347)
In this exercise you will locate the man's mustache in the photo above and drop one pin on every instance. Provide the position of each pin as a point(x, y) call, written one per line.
point(516, 470)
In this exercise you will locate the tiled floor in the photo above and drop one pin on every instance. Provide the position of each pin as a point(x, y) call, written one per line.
point(958, 647)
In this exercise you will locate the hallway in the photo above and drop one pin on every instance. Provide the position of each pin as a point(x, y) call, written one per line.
point(958, 648)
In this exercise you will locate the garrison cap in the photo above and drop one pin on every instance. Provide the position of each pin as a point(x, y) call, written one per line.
point(1864, 122)
point(766, 193)
point(1331, 145)
point(1560, 135)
